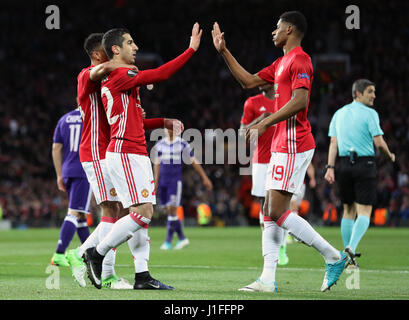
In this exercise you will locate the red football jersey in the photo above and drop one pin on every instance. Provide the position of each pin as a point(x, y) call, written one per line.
point(95, 131)
point(124, 113)
point(120, 96)
point(290, 72)
point(254, 107)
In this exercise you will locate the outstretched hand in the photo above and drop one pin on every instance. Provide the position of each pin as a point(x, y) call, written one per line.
point(218, 38)
point(175, 125)
point(195, 37)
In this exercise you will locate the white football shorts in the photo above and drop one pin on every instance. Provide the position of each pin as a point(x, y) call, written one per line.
point(258, 177)
point(132, 177)
point(100, 181)
point(286, 171)
point(299, 196)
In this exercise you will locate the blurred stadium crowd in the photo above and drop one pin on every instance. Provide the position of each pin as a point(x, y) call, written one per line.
point(40, 67)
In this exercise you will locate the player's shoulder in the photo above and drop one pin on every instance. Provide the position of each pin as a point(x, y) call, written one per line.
point(65, 118)
point(301, 52)
point(74, 116)
point(118, 75)
point(371, 111)
point(122, 71)
point(86, 69)
point(336, 113)
point(277, 61)
point(256, 97)
point(301, 56)
point(85, 84)
point(250, 101)
point(61, 120)
point(273, 65)
point(344, 109)
point(84, 72)
point(76, 112)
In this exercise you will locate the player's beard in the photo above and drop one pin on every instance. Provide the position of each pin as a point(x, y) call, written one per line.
point(279, 41)
point(129, 58)
point(132, 58)
point(279, 44)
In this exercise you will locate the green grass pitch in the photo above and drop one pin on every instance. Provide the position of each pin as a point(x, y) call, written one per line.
point(217, 262)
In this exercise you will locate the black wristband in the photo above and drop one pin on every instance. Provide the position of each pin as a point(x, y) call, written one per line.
point(329, 167)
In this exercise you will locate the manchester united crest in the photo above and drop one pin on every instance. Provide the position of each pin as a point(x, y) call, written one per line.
point(145, 193)
point(113, 192)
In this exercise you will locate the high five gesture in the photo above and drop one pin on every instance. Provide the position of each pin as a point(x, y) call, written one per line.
point(196, 36)
point(218, 38)
point(246, 79)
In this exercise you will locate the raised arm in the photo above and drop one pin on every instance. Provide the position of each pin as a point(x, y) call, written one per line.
point(245, 78)
point(165, 71)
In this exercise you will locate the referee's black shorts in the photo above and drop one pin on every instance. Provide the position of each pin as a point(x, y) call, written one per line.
point(357, 182)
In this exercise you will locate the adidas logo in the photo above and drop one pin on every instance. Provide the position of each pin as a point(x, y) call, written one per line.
point(262, 109)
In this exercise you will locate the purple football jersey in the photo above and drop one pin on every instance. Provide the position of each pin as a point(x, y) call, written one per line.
point(68, 133)
point(171, 155)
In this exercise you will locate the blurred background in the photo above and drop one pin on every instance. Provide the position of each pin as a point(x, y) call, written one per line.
point(39, 68)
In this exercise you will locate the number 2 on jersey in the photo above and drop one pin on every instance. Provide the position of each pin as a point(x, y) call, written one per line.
point(110, 102)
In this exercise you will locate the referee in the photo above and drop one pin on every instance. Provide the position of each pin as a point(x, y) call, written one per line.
point(354, 129)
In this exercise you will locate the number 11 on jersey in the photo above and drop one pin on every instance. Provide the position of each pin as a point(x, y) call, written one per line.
point(75, 134)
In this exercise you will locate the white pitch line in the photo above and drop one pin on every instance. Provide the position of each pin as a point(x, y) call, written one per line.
point(223, 267)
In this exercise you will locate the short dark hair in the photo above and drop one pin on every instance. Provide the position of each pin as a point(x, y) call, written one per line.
point(111, 38)
point(297, 19)
point(360, 85)
point(92, 42)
